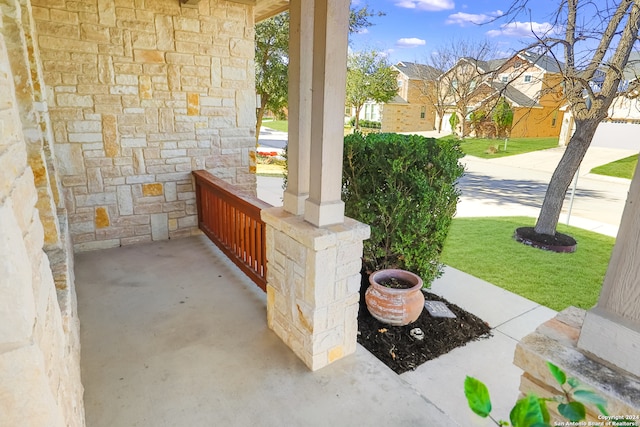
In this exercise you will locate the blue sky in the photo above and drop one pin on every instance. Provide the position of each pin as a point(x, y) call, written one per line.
point(412, 29)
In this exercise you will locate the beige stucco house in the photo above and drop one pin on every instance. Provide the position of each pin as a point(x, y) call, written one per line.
point(107, 106)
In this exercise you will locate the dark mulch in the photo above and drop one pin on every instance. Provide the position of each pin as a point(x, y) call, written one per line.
point(558, 242)
point(397, 349)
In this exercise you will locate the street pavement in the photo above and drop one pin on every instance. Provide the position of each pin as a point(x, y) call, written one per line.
point(515, 185)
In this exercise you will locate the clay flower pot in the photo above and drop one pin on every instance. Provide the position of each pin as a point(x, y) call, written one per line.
point(394, 306)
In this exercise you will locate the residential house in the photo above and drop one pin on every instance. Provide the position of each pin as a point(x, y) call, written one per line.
point(529, 82)
point(620, 128)
point(411, 110)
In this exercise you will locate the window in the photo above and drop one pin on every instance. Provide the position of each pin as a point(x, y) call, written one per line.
point(527, 79)
point(399, 83)
point(423, 112)
point(454, 84)
point(554, 119)
point(504, 79)
point(517, 64)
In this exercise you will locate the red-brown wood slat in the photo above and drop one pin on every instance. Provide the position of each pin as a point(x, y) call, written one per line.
point(231, 219)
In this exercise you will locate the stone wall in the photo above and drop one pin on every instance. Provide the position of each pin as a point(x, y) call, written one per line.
point(556, 341)
point(142, 92)
point(39, 347)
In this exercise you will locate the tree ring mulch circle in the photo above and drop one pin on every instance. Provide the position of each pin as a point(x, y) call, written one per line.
point(556, 243)
point(402, 351)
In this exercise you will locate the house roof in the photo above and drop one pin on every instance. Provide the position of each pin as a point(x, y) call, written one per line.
point(545, 62)
point(485, 66)
point(512, 94)
point(397, 99)
point(417, 71)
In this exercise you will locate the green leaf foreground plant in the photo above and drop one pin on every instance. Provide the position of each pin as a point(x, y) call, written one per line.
point(403, 186)
point(531, 411)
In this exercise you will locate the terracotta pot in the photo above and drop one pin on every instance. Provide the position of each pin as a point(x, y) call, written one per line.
point(396, 307)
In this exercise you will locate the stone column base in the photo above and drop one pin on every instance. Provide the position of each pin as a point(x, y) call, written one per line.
point(313, 284)
point(556, 341)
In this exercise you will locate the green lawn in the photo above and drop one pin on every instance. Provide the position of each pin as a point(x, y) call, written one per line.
point(484, 248)
point(479, 146)
point(622, 168)
point(279, 125)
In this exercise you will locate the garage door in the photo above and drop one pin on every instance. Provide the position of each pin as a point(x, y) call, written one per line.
point(617, 135)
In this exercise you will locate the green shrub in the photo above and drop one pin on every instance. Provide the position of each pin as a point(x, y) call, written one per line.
point(403, 186)
point(370, 124)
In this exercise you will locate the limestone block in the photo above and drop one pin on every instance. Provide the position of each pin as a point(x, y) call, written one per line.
point(102, 217)
point(96, 245)
point(17, 307)
point(73, 100)
point(245, 104)
point(107, 12)
point(83, 126)
point(23, 197)
point(154, 189)
point(149, 56)
point(25, 394)
point(241, 48)
point(12, 164)
point(70, 159)
point(159, 226)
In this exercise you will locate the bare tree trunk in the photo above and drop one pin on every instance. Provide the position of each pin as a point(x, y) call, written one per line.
point(563, 175)
point(356, 125)
point(439, 123)
point(260, 114)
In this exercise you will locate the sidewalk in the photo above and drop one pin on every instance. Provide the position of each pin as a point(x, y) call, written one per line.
point(511, 316)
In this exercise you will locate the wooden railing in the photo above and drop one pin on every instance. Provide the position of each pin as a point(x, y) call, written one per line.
point(231, 219)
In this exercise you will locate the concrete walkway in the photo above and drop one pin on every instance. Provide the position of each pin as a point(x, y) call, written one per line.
point(173, 334)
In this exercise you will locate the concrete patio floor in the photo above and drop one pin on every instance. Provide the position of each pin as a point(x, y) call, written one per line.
point(173, 334)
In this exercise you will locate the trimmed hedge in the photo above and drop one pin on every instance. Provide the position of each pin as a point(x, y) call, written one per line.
point(369, 124)
point(403, 186)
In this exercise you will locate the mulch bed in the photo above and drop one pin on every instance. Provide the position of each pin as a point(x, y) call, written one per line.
point(396, 348)
point(558, 242)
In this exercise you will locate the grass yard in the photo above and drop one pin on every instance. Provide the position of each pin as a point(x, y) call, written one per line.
point(279, 125)
point(479, 146)
point(270, 170)
point(622, 168)
point(484, 248)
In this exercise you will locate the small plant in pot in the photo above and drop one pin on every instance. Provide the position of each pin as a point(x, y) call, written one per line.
point(403, 186)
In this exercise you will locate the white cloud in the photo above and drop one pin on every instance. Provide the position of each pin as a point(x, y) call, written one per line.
point(463, 19)
point(522, 29)
point(430, 5)
point(410, 42)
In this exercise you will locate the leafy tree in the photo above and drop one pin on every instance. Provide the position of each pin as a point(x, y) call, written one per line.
point(594, 39)
point(272, 50)
point(502, 117)
point(369, 77)
point(465, 64)
point(272, 58)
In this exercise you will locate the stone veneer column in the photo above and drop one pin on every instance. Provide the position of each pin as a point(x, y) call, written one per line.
point(313, 285)
point(313, 251)
point(611, 330)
